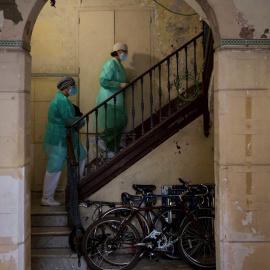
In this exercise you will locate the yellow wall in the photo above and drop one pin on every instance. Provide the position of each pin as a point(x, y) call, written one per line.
point(77, 39)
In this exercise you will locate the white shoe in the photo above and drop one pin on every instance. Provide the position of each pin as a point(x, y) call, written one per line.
point(49, 202)
point(110, 154)
point(101, 143)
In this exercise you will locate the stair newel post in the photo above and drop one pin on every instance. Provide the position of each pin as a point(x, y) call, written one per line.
point(204, 39)
point(78, 154)
point(115, 125)
point(195, 60)
point(69, 175)
point(124, 117)
point(106, 130)
point(160, 93)
point(206, 75)
point(142, 106)
point(133, 115)
point(186, 71)
point(72, 185)
point(87, 145)
point(169, 87)
point(96, 137)
point(177, 78)
point(151, 100)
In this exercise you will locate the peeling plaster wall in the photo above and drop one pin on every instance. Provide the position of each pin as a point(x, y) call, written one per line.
point(242, 158)
point(16, 16)
point(15, 218)
point(187, 155)
point(253, 22)
point(11, 11)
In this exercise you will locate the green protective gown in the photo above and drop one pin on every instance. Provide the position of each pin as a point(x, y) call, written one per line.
point(61, 113)
point(111, 75)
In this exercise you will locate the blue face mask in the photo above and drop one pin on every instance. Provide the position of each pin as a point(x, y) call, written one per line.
point(123, 56)
point(73, 91)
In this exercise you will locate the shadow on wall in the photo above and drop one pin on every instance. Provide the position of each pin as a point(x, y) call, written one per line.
point(139, 64)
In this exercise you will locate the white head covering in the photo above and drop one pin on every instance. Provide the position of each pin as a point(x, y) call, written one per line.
point(120, 46)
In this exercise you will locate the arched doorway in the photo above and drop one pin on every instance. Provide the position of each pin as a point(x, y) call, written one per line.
point(242, 233)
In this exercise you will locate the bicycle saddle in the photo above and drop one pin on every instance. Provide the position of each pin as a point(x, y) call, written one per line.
point(127, 198)
point(144, 188)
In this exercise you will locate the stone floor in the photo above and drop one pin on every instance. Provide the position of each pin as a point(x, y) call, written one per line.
point(162, 264)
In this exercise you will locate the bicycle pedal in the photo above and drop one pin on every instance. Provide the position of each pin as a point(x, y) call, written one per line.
point(153, 257)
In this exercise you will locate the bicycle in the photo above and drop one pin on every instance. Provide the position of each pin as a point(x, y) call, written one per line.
point(96, 211)
point(152, 219)
point(115, 243)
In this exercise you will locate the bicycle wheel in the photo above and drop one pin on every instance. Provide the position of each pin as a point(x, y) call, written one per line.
point(103, 250)
point(197, 242)
point(124, 212)
point(161, 221)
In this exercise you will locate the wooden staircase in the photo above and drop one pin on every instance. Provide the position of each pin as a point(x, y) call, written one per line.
point(151, 139)
point(49, 237)
point(175, 116)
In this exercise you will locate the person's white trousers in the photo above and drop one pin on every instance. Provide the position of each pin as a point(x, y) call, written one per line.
point(51, 181)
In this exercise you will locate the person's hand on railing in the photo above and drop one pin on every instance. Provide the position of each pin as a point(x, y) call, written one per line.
point(122, 85)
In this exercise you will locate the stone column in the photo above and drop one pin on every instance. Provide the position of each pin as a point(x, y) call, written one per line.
point(15, 70)
point(242, 157)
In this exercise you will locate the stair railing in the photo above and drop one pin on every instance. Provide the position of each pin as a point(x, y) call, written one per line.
point(160, 76)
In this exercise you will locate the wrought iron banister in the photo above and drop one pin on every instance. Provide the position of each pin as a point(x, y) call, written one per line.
point(137, 79)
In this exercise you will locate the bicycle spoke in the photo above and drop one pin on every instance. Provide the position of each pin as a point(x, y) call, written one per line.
point(108, 244)
point(197, 242)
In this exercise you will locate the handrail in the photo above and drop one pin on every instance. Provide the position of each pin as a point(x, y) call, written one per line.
point(136, 79)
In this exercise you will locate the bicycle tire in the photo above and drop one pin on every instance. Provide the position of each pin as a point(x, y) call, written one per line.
point(124, 212)
point(197, 244)
point(100, 249)
point(164, 218)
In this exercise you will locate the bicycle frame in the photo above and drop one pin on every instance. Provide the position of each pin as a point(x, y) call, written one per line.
point(149, 213)
point(178, 230)
point(180, 205)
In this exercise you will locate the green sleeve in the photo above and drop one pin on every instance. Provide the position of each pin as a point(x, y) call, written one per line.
point(67, 112)
point(107, 77)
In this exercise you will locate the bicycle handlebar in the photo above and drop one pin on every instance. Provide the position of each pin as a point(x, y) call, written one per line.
point(204, 194)
point(183, 194)
point(192, 190)
point(88, 203)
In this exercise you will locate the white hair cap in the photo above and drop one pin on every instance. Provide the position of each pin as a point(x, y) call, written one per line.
point(120, 46)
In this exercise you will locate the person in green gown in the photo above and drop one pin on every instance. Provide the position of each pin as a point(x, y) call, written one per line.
point(114, 118)
point(61, 113)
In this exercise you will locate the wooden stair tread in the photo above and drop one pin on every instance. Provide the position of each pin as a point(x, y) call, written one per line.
point(35, 231)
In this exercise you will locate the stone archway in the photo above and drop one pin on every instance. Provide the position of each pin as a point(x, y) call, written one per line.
point(241, 91)
point(17, 19)
point(241, 132)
